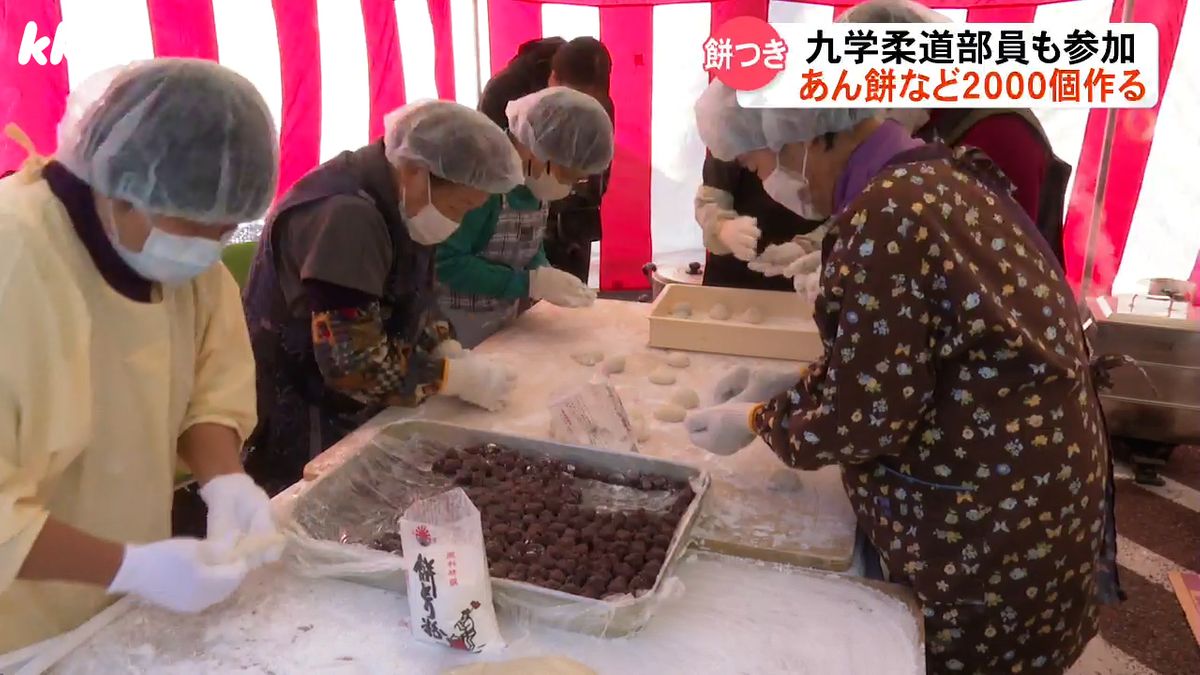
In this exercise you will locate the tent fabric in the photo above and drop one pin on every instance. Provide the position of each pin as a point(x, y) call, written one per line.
point(1131, 148)
point(329, 69)
point(385, 63)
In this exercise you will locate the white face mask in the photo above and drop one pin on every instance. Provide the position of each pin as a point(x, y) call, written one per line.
point(793, 191)
point(546, 187)
point(429, 226)
point(170, 259)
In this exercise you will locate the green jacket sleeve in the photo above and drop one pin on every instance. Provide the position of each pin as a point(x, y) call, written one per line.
point(461, 269)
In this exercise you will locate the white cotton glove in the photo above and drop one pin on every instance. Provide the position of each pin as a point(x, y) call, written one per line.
point(781, 263)
point(740, 235)
point(450, 349)
point(746, 385)
point(479, 382)
point(777, 257)
point(559, 288)
point(808, 285)
point(182, 575)
point(239, 508)
point(722, 429)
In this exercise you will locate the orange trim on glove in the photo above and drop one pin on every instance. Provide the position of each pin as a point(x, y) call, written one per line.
point(754, 411)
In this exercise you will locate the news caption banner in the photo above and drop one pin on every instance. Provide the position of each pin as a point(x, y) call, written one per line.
point(984, 65)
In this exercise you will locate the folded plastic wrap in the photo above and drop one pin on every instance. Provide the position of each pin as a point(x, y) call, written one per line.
point(592, 415)
point(346, 525)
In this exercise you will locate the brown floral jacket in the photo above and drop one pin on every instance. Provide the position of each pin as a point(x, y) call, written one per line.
point(955, 392)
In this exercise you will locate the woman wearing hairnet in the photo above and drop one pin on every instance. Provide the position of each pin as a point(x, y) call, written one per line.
point(340, 298)
point(125, 348)
point(496, 260)
point(1012, 137)
point(748, 231)
point(954, 390)
point(583, 64)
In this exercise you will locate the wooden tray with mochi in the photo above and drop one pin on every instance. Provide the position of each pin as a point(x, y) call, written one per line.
point(736, 321)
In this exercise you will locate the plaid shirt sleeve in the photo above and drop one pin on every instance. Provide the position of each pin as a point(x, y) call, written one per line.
point(359, 360)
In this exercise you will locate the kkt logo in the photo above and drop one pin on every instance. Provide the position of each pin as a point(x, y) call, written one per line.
point(34, 47)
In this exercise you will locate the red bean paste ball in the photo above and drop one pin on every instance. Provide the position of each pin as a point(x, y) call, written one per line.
point(389, 542)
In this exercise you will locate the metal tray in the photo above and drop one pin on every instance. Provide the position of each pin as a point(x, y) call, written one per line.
point(611, 617)
point(1159, 399)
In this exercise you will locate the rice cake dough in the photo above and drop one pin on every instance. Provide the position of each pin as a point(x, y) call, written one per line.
point(662, 377)
point(677, 360)
point(590, 358)
point(686, 398)
point(613, 365)
point(719, 312)
point(669, 412)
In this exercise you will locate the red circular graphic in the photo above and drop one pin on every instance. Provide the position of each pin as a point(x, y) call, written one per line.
point(745, 53)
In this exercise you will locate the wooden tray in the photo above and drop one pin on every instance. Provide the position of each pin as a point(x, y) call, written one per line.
point(813, 527)
point(787, 333)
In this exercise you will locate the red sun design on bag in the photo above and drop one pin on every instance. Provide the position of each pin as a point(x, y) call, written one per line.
point(423, 536)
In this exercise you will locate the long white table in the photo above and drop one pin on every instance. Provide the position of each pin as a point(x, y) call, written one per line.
point(734, 616)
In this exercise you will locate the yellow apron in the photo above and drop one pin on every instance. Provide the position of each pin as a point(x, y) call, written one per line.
point(95, 389)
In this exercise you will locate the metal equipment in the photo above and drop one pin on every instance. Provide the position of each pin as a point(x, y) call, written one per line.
point(1155, 405)
point(685, 267)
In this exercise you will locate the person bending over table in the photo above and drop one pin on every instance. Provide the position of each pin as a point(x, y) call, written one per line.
point(341, 300)
point(584, 64)
point(740, 220)
point(125, 348)
point(495, 263)
point(955, 391)
point(754, 232)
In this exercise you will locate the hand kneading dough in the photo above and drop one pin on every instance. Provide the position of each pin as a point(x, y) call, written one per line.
point(588, 358)
point(719, 312)
point(677, 360)
point(785, 480)
point(682, 310)
point(538, 665)
point(613, 365)
point(686, 398)
point(663, 377)
point(753, 315)
point(669, 412)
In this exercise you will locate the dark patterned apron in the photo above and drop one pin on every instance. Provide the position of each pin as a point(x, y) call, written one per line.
point(298, 416)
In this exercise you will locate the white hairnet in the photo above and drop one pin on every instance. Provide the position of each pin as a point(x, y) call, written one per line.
point(563, 126)
point(726, 128)
point(800, 125)
point(176, 137)
point(454, 142)
point(892, 11)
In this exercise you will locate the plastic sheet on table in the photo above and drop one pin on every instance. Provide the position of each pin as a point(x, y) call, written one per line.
point(338, 525)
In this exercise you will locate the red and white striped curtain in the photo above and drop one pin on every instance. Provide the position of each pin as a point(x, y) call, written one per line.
point(329, 69)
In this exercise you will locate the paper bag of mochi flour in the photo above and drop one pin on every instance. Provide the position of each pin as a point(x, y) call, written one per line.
point(449, 588)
